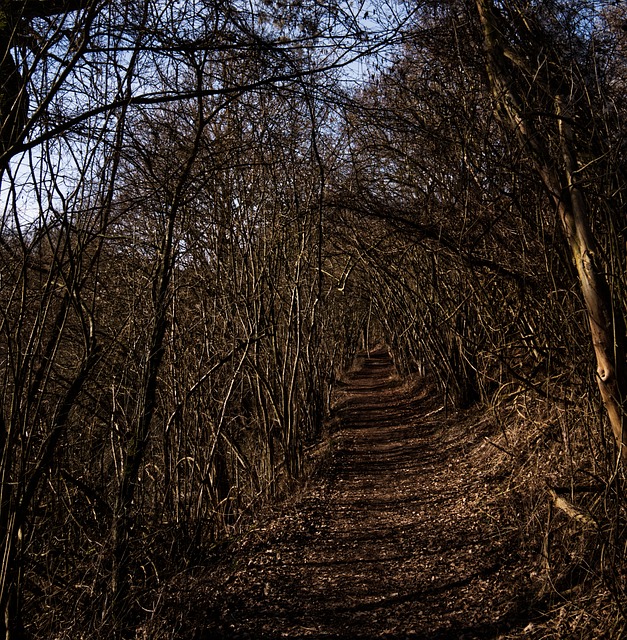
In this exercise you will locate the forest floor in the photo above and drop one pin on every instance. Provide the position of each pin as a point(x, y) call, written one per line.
point(402, 533)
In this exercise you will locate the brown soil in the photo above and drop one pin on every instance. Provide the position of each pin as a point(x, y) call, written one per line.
point(400, 536)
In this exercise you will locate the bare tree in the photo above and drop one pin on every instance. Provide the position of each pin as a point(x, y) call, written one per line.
point(113, 115)
point(510, 67)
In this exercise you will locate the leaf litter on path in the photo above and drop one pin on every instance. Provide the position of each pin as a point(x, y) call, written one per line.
point(399, 537)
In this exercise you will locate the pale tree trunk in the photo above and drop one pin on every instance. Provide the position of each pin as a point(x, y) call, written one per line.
point(606, 323)
point(607, 328)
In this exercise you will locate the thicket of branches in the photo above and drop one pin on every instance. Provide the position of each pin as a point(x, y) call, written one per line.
point(203, 219)
point(489, 159)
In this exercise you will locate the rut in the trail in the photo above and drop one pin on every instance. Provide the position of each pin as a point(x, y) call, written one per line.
point(397, 542)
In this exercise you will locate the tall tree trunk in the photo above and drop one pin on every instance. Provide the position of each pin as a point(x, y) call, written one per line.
point(139, 438)
point(606, 322)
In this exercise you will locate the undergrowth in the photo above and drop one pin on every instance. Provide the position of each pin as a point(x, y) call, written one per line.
point(564, 488)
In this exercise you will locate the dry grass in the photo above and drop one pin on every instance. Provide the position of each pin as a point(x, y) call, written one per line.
point(565, 494)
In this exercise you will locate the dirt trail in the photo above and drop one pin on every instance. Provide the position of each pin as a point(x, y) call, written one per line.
point(396, 540)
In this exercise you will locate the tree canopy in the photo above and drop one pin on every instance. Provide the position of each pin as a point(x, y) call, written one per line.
point(209, 207)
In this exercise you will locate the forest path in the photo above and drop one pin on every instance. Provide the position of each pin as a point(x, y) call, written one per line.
point(397, 539)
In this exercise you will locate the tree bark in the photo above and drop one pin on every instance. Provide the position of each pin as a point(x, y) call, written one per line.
point(606, 322)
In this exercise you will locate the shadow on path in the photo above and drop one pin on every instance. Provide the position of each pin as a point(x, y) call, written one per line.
point(397, 542)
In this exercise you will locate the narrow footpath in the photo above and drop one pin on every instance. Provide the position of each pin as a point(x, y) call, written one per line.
point(399, 537)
